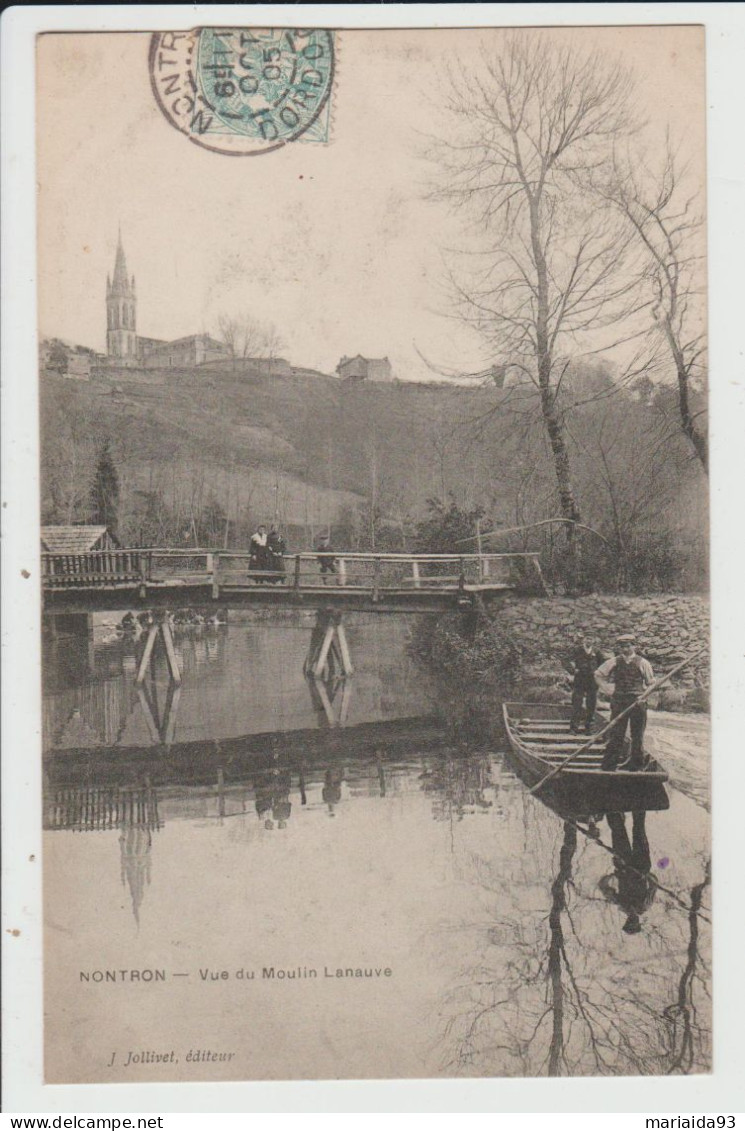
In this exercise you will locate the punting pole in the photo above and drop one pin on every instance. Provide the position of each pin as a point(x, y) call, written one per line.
point(622, 714)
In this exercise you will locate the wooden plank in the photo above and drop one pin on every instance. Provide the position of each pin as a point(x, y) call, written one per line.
point(344, 648)
point(149, 645)
point(562, 748)
point(147, 712)
point(346, 693)
point(561, 737)
point(327, 705)
point(215, 575)
point(376, 580)
point(165, 629)
point(324, 650)
point(581, 759)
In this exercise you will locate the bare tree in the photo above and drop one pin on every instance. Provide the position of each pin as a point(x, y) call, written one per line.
point(662, 215)
point(273, 342)
point(248, 337)
point(549, 266)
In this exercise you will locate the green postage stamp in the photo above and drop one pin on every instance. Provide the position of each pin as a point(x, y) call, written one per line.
point(241, 91)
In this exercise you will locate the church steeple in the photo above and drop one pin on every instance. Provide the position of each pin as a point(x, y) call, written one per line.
point(121, 282)
point(121, 311)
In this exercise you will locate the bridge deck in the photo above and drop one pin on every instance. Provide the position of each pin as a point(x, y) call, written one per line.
point(172, 579)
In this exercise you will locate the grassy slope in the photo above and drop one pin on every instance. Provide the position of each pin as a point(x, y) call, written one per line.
point(308, 425)
point(307, 440)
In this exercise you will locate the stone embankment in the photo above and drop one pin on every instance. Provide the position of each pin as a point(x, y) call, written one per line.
point(668, 628)
point(527, 640)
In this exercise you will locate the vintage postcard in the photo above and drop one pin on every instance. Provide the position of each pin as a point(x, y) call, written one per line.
point(374, 553)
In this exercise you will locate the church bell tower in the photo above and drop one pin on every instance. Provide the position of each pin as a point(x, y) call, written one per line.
point(121, 312)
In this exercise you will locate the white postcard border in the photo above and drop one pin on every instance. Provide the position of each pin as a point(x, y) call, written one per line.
point(23, 1091)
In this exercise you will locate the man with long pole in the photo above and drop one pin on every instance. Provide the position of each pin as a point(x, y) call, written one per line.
point(630, 675)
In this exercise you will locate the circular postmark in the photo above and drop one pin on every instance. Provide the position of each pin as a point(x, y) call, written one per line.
point(244, 91)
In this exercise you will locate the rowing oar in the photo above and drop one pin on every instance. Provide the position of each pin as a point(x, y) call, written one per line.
point(621, 714)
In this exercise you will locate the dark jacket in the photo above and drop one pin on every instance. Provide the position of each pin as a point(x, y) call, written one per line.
point(585, 665)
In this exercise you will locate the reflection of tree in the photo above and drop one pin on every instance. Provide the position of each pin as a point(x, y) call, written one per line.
point(458, 786)
point(556, 951)
point(681, 1016)
point(588, 999)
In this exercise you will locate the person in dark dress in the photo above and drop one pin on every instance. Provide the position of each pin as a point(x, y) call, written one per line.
point(276, 549)
point(258, 561)
point(583, 662)
point(630, 885)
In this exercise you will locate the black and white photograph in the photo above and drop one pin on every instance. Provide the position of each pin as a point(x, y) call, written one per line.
point(374, 553)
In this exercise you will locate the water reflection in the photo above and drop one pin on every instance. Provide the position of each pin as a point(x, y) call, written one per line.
point(688, 1021)
point(458, 786)
point(246, 677)
point(567, 1006)
point(630, 885)
point(135, 843)
point(272, 793)
point(528, 939)
point(332, 784)
point(557, 955)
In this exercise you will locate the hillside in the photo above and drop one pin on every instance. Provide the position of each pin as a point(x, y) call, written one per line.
point(207, 454)
point(306, 447)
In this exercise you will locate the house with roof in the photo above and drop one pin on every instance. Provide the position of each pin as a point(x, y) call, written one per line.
point(76, 539)
point(193, 350)
point(361, 368)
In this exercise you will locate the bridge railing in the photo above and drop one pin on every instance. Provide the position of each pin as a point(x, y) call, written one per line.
point(309, 570)
point(95, 567)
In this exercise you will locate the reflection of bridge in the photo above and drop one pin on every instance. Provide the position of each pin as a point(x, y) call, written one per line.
point(173, 579)
point(267, 777)
point(199, 762)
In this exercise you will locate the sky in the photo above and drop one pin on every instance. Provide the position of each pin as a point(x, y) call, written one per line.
point(334, 243)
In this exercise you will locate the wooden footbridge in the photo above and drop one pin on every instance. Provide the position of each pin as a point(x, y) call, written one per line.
point(160, 579)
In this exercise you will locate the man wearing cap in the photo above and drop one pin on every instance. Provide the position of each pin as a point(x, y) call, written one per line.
point(583, 663)
point(630, 675)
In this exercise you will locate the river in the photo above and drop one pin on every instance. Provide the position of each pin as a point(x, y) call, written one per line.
point(229, 871)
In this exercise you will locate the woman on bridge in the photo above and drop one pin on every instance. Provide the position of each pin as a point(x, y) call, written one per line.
point(276, 549)
point(258, 561)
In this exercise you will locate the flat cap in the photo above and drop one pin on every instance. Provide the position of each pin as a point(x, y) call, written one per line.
point(626, 638)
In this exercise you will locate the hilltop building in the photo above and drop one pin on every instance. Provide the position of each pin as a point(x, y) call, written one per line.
point(125, 348)
point(121, 312)
point(73, 362)
point(361, 368)
point(184, 352)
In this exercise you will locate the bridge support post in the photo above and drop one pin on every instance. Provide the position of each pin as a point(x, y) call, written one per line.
point(329, 653)
point(161, 730)
point(162, 628)
point(328, 667)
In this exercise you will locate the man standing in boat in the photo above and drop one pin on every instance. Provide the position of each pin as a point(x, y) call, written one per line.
point(583, 663)
point(630, 675)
